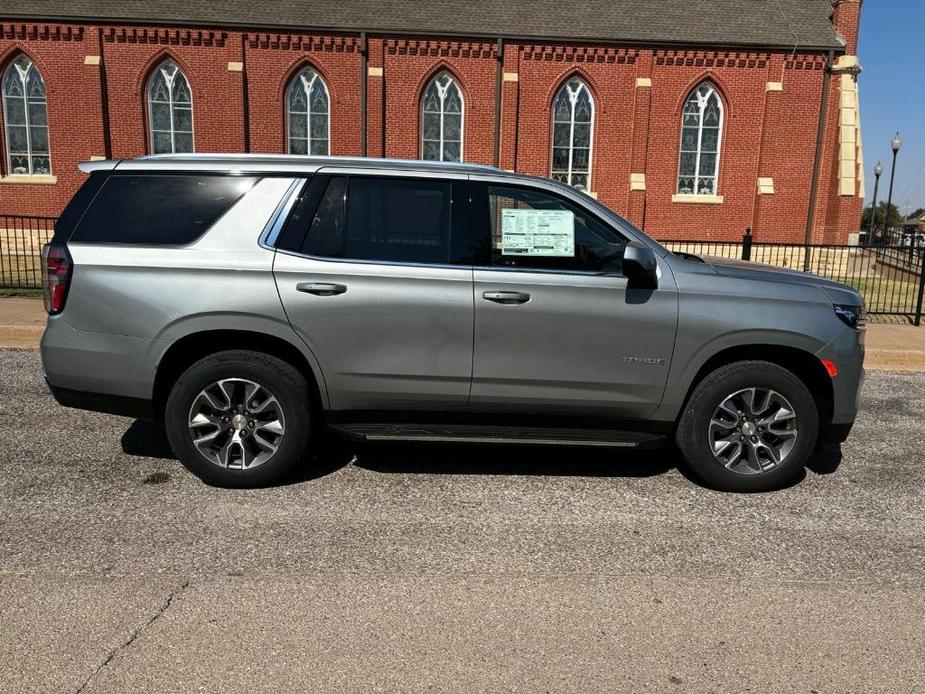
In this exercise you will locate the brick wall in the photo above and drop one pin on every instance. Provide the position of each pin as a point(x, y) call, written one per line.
point(238, 81)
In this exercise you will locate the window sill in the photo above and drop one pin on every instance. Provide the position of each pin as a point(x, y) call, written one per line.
point(34, 180)
point(699, 199)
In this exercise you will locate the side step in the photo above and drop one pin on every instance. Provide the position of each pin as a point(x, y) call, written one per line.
point(468, 433)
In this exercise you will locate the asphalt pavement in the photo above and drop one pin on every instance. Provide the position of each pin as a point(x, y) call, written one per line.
point(413, 568)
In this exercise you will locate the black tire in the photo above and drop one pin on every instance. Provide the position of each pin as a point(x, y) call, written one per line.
point(693, 433)
point(280, 378)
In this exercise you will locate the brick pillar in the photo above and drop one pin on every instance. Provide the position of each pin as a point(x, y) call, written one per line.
point(96, 142)
point(375, 98)
point(510, 106)
point(773, 95)
point(237, 73)
point(846, 16)
point(635, 209)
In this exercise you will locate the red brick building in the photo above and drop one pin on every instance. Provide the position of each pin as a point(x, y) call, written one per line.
point(693, 118)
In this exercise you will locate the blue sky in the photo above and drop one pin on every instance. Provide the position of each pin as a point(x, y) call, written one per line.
point(892, 87)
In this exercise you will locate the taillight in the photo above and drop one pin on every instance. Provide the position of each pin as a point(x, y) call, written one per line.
point(56, 271)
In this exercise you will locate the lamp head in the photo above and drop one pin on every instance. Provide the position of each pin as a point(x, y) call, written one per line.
point(896, 142)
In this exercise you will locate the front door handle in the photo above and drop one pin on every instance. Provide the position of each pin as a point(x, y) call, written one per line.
point(321, 288)
point(507, 297)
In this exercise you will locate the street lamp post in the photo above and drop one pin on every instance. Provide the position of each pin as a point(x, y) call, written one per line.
point(878, 169)
point(895, 143)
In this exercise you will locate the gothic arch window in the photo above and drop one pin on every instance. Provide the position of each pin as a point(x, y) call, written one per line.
point(442, 111)
point(701, 137)
point(572, 133)
point(170, 110)
point(25, 119)
point(308, 114)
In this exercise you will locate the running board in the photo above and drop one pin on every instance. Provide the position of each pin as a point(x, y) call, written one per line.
point(468, 433)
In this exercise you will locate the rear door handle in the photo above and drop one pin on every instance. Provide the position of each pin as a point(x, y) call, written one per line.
point(507, 297)
point(321, 288)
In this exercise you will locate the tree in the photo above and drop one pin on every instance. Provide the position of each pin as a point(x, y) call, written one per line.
point(918, 214)
point(894, 218)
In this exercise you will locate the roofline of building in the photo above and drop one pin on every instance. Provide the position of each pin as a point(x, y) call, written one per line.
point(836, 45)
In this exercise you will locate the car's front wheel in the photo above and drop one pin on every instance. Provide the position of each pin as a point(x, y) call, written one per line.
point(749, 426)
point(239, 418)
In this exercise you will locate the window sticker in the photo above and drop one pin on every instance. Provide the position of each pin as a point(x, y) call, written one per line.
point(538, 233)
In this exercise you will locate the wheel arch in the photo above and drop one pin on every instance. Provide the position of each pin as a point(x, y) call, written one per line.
point(190, 348)
point(804, 365)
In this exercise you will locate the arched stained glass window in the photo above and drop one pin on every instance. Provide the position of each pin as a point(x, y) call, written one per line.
point(308, 114)
point(442, 112)
point(701, 136)
point(25, 119)
point(170, 110)
point(572, 133)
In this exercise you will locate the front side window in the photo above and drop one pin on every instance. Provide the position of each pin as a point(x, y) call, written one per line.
point(399, 220)
point(170, 110)
point(572, 131)
point(532, 229)
point(442, 119)
point(25, 119)
point(701, 132)
point(308, 114)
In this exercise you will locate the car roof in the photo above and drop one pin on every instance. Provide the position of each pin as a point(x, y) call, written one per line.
point(279, 163)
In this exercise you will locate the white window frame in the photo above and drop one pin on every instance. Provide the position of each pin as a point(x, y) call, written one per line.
point(299, 80)
point(702, 102)
point(24, 80)
point(169, 80)
point(573, 99)
point(441, 93)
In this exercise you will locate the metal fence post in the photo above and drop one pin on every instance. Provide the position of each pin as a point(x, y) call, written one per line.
point(918, 303)
point(747, 244)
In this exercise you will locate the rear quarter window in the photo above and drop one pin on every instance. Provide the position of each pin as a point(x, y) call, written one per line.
point(158, 209)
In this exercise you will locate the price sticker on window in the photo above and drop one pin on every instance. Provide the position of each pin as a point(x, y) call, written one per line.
point(549, 233)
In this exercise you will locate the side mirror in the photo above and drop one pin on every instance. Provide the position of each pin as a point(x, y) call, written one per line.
point(640, 266)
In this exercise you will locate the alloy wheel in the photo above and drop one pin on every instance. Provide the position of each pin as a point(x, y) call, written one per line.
point(753, 431)
point(236, 423)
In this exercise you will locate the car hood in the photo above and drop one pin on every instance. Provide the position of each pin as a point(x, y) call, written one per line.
point(839, 293)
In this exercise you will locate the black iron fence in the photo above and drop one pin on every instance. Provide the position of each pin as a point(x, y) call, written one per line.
point(21, 241)
point(888, 269)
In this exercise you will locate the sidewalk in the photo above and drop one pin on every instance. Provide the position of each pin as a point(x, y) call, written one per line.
point(889, 347)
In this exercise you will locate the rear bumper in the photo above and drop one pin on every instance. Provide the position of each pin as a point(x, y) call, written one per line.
point(101, 402)
point(97, 371)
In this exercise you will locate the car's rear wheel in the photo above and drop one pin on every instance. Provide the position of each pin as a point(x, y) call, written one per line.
point(239, 418)
point(749, 426)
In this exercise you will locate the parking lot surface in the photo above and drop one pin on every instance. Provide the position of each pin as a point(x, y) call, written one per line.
point(408, 568)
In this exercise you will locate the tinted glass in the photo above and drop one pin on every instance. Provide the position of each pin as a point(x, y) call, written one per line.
point(533, 229)
point(388, 219)
point(326, 231)
point(161, 209)
point(75, 209)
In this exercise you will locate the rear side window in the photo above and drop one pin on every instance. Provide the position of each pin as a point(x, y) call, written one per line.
point(399, 220)
point(158, 209)
point(68, 219)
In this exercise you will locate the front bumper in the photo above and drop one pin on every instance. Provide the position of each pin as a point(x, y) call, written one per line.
point(846, 351)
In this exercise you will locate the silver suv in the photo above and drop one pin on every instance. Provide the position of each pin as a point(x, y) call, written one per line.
point(252, 303)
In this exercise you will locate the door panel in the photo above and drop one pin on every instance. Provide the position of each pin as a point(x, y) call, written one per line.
point(397, 338)
point(581, 344)
point(557, 330)
point(375, 275)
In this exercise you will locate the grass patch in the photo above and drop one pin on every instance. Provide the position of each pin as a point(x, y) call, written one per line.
point(27, 293)
point(21, 272)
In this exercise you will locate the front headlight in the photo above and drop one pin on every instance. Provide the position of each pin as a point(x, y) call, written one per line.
point(853, 316)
